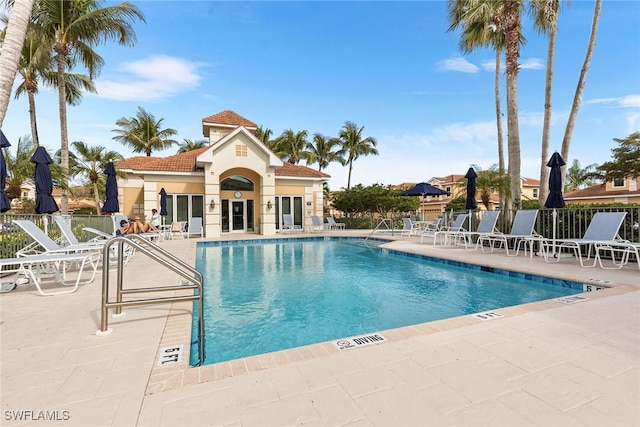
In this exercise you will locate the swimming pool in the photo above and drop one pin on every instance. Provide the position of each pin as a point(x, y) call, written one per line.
point(263, 297)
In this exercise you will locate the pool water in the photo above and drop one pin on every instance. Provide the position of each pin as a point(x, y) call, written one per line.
point(260, 298)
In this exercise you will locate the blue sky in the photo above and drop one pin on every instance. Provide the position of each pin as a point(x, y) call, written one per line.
point(391, 67)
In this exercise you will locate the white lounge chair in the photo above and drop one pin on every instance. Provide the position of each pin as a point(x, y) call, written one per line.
point(70, 237)
point(37, 267)
point(288, 225)
point(624, 248)
point(409, 228)
point(602, 230)
point(45, 244)
point(521, 234)
point(150, 235)
point(458, 226)
point(194, 226)
point(316, 224)
point(431, 229)
point(333, 225)
point(177, 230)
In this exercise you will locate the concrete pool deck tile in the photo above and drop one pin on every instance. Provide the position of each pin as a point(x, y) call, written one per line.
point(400, 406)
point(490, 412)
point(367, 381)
point(334, 406)
point(535, 410)
point(294, 410)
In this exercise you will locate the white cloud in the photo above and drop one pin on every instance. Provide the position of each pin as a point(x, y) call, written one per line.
point(527, 64)
point(633, 122)
point(490, 65)
point(154, 77)
point(628, 101)
point(457, 64)
point(466, 133)
point(531, 64)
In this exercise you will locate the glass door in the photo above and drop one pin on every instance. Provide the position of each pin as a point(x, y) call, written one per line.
point(237, 215)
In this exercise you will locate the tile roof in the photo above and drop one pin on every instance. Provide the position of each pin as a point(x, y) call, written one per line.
point(182, 162)
point(599, 191)
point(186, 162)
point(288, 169)
point(228, 117)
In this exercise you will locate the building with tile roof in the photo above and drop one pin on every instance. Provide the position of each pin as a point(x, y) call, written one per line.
point(624, 190)
point(236, 184)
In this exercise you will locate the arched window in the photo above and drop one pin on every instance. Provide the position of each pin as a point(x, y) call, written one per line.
point(236, 183)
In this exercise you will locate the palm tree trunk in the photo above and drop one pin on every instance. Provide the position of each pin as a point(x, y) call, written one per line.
point(32, 118)
point(501, 168)
point(64, 138)
point(96, 197)
point(349, 177)
point(512, 26)
point(11, 50)
point(566, 141)
point(546, 127)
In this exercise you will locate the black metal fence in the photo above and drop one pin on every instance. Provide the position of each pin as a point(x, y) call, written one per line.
point(570, 223)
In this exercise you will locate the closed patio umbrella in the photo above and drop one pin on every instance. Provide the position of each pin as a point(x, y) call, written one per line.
point(555, 199)
point(163, 204)
point(111, 204)
point(4, 200)
point(471, 203)
point(45, 203)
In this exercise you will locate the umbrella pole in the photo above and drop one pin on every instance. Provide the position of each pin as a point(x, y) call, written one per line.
point(554, 215)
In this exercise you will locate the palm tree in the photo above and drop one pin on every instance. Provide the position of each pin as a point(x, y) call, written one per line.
point(89, 162)
point(264, 135)
point(546, 22)
point(511, 12)
point(566, 140)
point(481, 25)
point(190, 145)
point(322, 151)
point(354, 145)
point(11, 48)
point(491, 179)
point(19, 166)
point(578, 177)
point(74, 28)
point(292, 146)
point(37, 64)
point(143, 133)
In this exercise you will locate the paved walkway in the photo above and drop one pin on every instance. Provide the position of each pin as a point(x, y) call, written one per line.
point(546, 363)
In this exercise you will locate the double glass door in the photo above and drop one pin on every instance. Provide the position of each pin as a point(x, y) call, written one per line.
point(237, 216)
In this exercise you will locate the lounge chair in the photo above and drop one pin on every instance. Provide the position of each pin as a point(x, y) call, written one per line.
point(288, 225)
point(431, 229)
point(409, 228)
point(194, 226)
point(45, 244)
point(458, 226)
point(177, 230)
point(316, 224)
point(70, 237)
point(36, 267)
point(486, 227)
point(624, 248)
point(602, 230)
point(333, 225)
point(149, 235)
point(521, 233)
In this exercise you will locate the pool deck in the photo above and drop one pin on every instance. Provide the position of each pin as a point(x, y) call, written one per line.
point(548, 363)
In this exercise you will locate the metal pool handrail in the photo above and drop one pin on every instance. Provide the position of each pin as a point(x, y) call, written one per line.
point(164, 258)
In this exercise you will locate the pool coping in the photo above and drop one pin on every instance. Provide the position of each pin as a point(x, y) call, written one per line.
point(178, 330)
